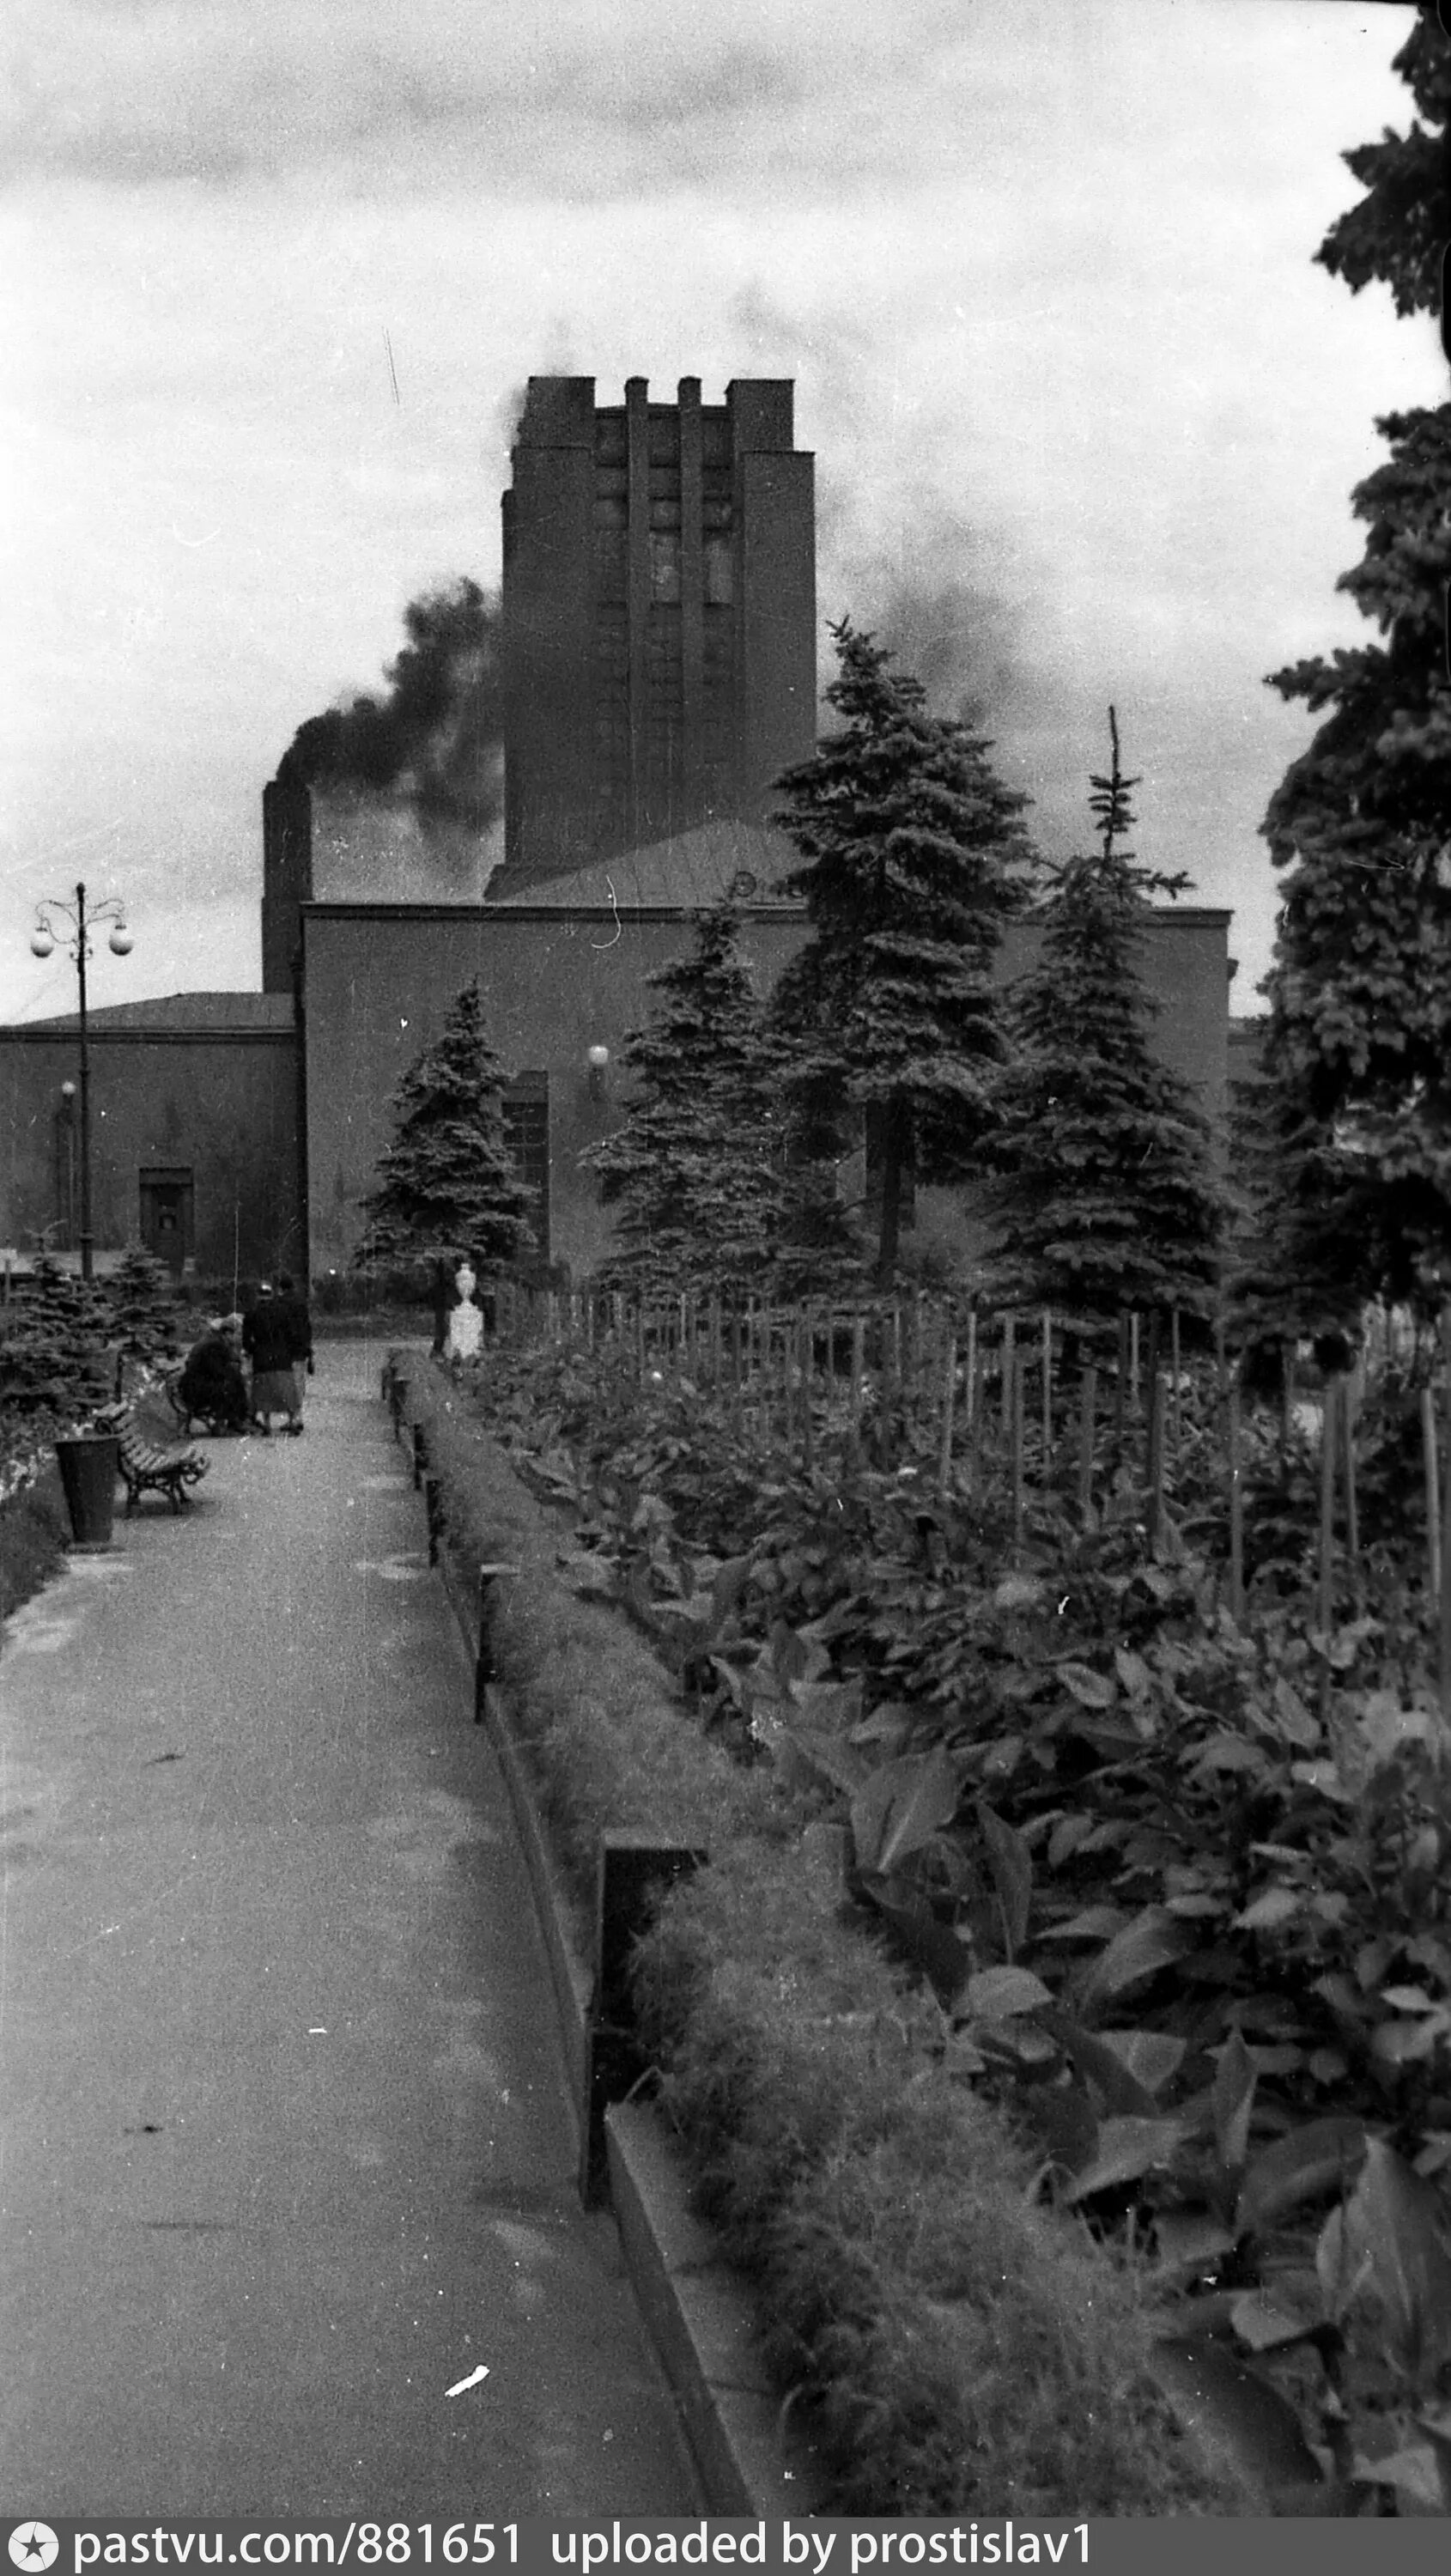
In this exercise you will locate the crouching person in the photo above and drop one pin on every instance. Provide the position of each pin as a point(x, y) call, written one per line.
point(212, 1385)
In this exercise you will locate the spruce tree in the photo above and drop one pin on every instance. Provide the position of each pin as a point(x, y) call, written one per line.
point(56, 1354)
point(914, 859)
point(1357, 1053)
point(143, 1303)
point(1102, 1193)
point(694, 1171)
point(1399, 231)
point(447, 1186)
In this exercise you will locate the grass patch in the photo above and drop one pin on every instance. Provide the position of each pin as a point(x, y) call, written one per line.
point(958, 2347)
point(609, 1742)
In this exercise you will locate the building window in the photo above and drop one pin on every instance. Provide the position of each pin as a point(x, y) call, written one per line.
point(665, 563)
point(526, 1126)
point(719, 572)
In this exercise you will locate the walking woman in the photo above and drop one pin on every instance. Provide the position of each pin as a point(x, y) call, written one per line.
point(268, 1336)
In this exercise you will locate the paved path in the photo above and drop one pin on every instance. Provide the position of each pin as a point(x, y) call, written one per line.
point(285, 2148)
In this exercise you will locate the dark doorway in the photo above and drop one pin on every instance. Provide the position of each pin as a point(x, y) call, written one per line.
point(166, 1216)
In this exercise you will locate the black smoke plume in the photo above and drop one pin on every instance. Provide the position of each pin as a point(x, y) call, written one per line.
point(437, 735)
point(931, 593)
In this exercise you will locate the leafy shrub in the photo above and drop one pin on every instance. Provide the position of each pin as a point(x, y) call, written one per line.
point(1177, 1891)
point(33, 1535)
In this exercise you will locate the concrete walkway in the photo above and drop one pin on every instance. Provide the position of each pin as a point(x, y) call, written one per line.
point(285, 2149)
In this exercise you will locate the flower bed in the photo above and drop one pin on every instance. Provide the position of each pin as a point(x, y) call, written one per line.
point(1176, 1893)
point(954, 2344)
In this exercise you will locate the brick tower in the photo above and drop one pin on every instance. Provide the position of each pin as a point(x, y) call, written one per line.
point(659, 617)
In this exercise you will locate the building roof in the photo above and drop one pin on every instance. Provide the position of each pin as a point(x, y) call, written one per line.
point(690, 872)
point(215, 1014)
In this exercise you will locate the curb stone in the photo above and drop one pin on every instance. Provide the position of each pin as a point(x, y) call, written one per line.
point(699, 2316)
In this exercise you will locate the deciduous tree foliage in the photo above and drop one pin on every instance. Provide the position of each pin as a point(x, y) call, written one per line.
point(447, 1185)
point(1357, 1054)
point(914, 858)
point(1103, 1194)
point(694, 1171)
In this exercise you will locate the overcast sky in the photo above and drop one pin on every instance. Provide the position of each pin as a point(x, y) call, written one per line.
point(1086, 416)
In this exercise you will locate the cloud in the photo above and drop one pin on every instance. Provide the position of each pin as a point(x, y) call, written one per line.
point(593, 104)
point(1086, 418)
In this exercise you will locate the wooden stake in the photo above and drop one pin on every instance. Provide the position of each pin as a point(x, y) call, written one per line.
point(1327, 1511)
point(1121, 1385)
point(1352, 1516)
point(1087, 1413)
point(888, 1381)
point(1134, 1362)
point(919, 1347)
point(1047, 1395)
point(971, 1390)
point(1019, 1392)
point(808, 1454)
point(1444, 1625)
point(973, 1397)
point(1433, 1493)
point(1157, 1397)
point(949, 1399)
point(1008, 1366)
point(1220, 1361)
point(1236, 1509)
point(1178, 1422)
point(1151, 1371)
point(858, 1366)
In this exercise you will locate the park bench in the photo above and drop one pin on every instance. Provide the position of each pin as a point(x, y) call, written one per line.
point(149, 1467)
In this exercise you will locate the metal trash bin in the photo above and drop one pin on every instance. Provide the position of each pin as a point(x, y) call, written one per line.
point(89, 1466)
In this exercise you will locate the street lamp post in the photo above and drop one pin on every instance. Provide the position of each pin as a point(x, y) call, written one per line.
point(64, 925)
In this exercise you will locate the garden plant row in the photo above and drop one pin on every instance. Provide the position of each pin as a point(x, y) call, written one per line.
point(1169, 1885)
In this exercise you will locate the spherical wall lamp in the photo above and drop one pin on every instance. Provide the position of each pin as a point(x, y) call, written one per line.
point(598, 1061)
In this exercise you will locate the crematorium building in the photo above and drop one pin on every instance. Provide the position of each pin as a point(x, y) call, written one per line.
point(659, 646)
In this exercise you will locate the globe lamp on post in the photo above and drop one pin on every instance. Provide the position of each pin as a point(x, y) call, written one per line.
point(598, 1062)
point(68, 926)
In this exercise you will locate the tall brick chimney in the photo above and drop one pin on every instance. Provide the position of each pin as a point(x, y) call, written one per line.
point(286, 880)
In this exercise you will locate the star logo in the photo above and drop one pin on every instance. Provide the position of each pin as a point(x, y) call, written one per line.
point(34, 2544)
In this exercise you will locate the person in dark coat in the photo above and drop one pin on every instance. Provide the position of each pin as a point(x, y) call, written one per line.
point(212, 1385)
point(268, 1334)
point(300, 1325)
